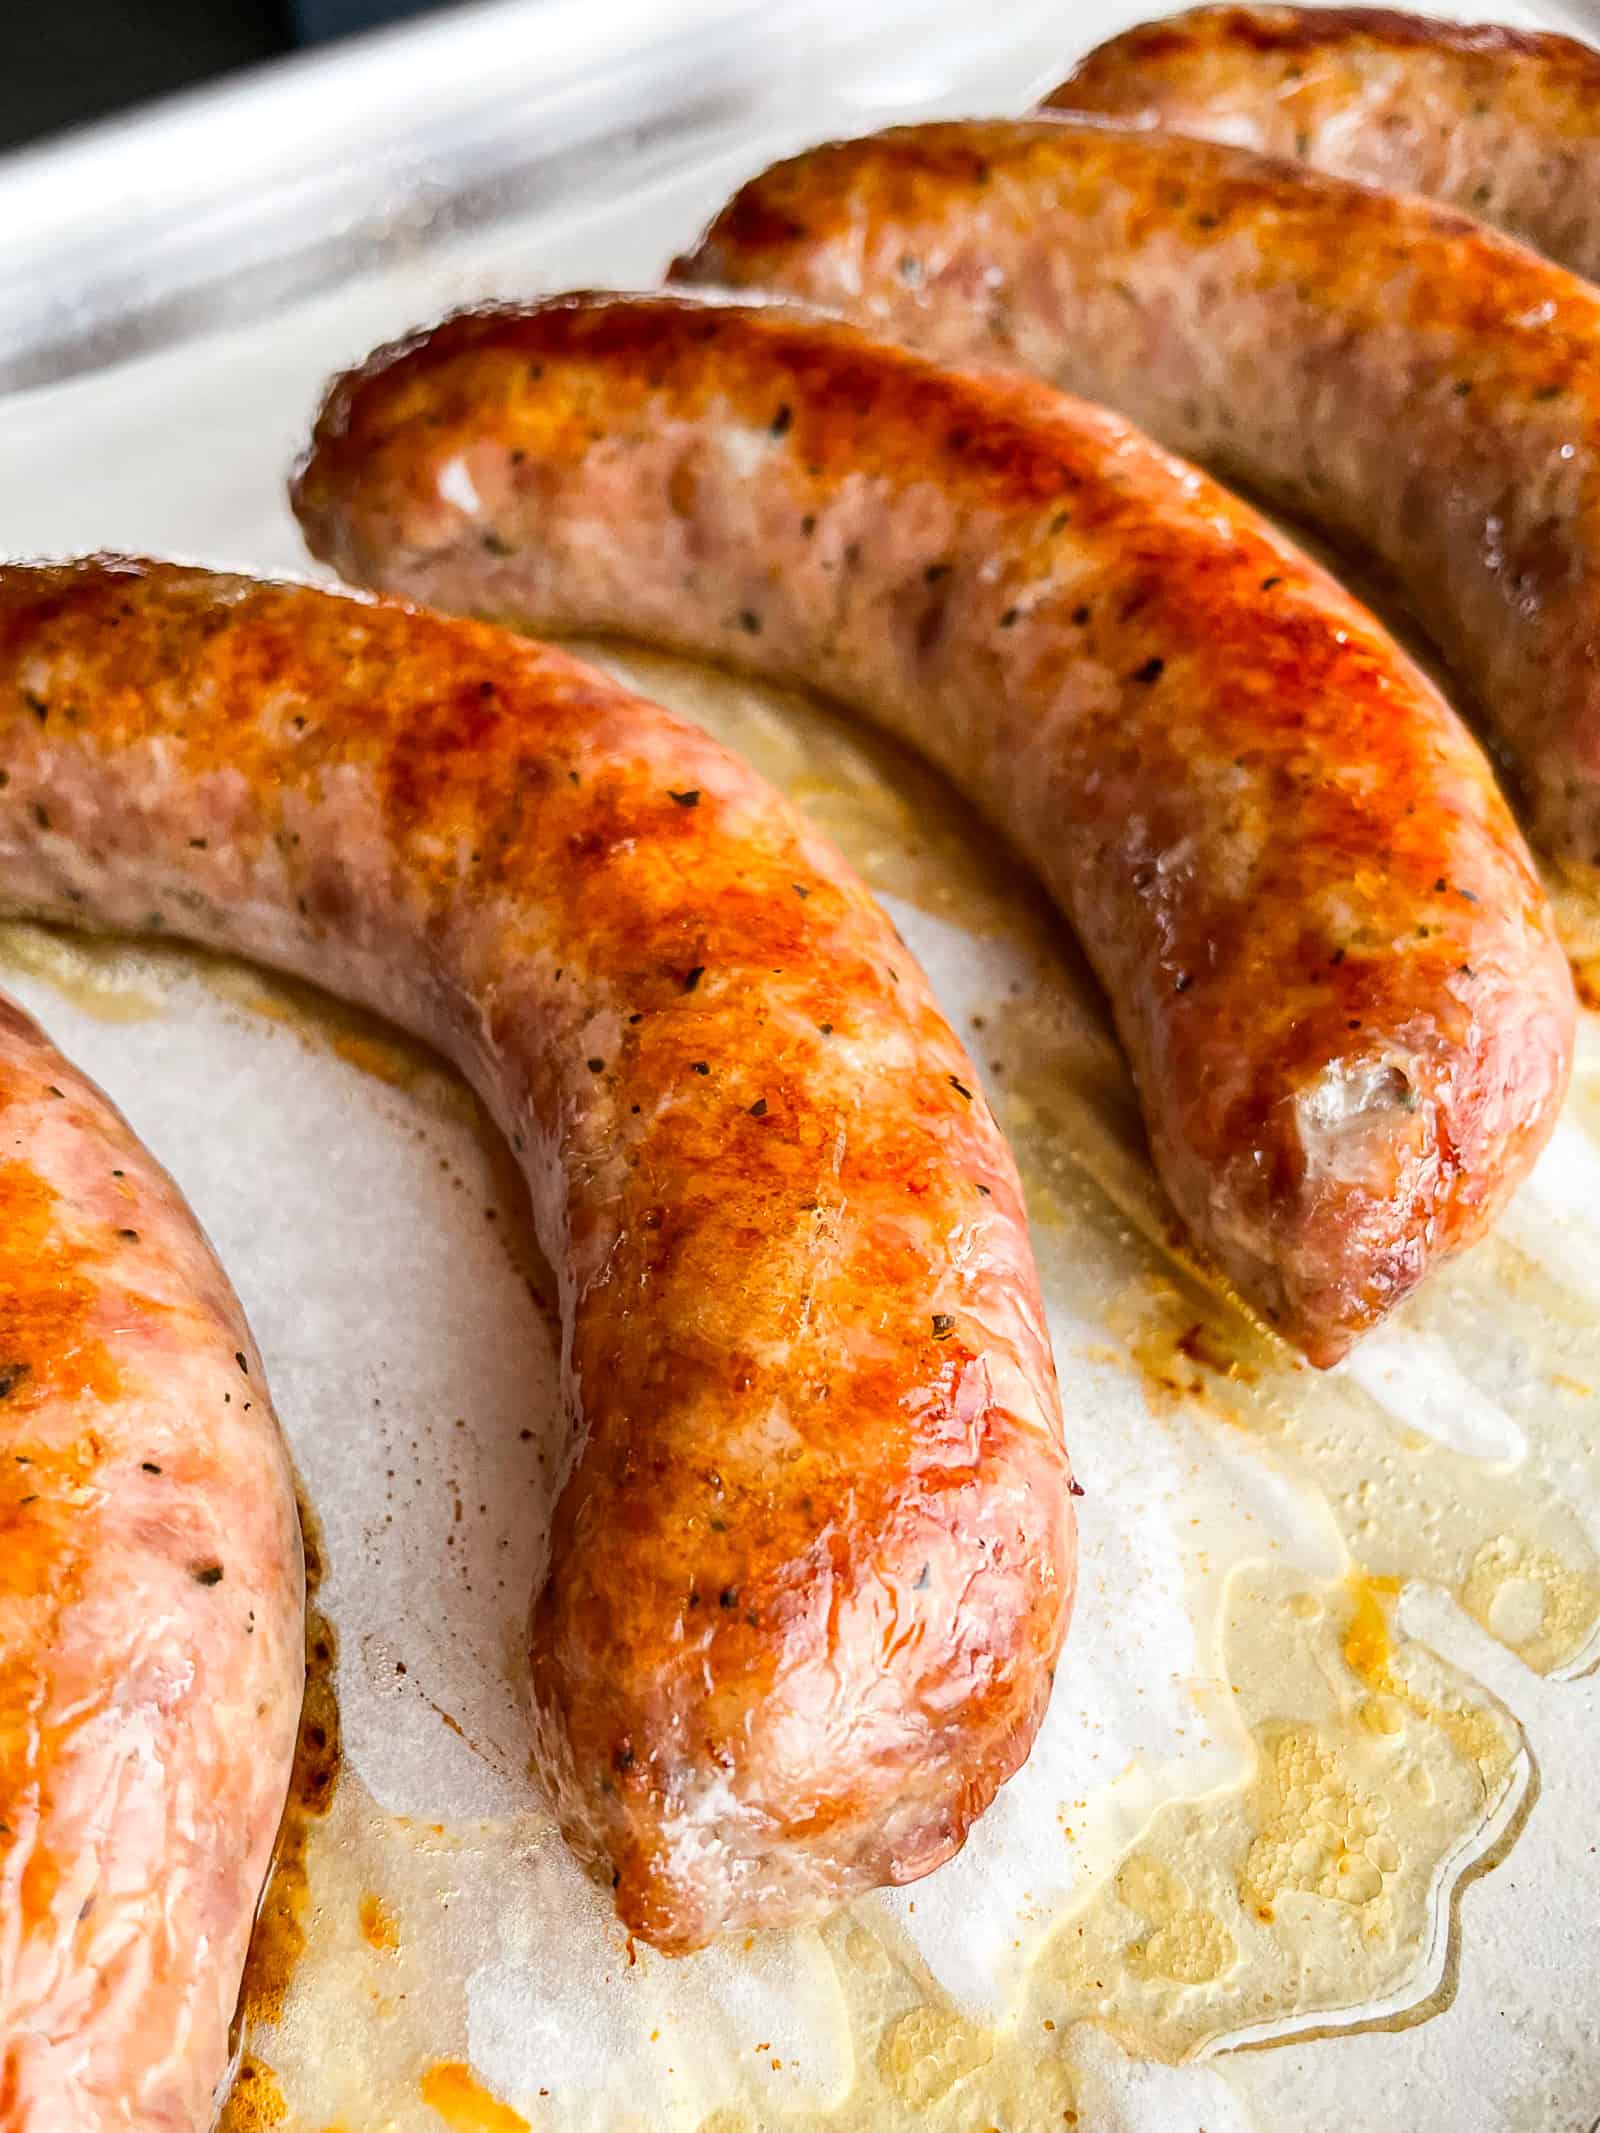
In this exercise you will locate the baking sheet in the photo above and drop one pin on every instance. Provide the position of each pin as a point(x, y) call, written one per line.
point(1323, 1667)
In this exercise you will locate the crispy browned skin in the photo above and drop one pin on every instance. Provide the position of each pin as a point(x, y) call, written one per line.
point(814, 1557)
point(1327, 952)
point(150, 1622)
point(1504, 123)
point(1396, 375)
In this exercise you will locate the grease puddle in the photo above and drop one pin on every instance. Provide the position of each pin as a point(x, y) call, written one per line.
point(1255, 1797)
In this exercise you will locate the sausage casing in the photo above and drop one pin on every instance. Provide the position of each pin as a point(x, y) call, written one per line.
point(1328, 954)
point(151, 1636)
point(1400, 377)
point(813, 1557)
point(1502, 123)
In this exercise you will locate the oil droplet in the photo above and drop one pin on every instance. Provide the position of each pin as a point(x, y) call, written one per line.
point(1383, 1716)
point(926, 2052)
point(866, 1951)
point(380, 1928)
point(1475, 1732)
point(1526, 1596)
point(1315, 1822)
point(255, 2101)
point(1187, 1944)
point(453, 2090)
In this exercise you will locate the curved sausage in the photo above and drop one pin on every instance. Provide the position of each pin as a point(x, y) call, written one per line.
point(1504, 124)
point(151, 1640)
point(1391, 373)
point(813, 1557)
point(1327, 952)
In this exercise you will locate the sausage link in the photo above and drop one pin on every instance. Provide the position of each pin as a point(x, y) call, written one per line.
point(813, 1557)
point(1504, 124)
point(1328, 954)
point(1391, 373)
point(151, 1638)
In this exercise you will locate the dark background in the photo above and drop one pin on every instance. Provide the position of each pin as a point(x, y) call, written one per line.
point(71, 60)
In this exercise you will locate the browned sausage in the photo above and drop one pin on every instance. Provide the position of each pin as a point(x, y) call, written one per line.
point(814, 1556)
point(151, 1642)
point(1328, 954)
point(1398, 376)
point(1503, 123)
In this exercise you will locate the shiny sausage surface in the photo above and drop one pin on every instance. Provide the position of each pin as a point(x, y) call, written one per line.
point(151, 1638)
point(1328, 954)
point(1502, 123)
point(813, 1552)
point(1393, 374)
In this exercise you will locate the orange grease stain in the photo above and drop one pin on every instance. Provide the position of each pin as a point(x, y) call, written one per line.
point(279, 1939)
point(453, 2090)
point(380, 1928)
point(1179, 1362)
point(255, 2101)
point(1368, 1646)
point(382, 1058)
